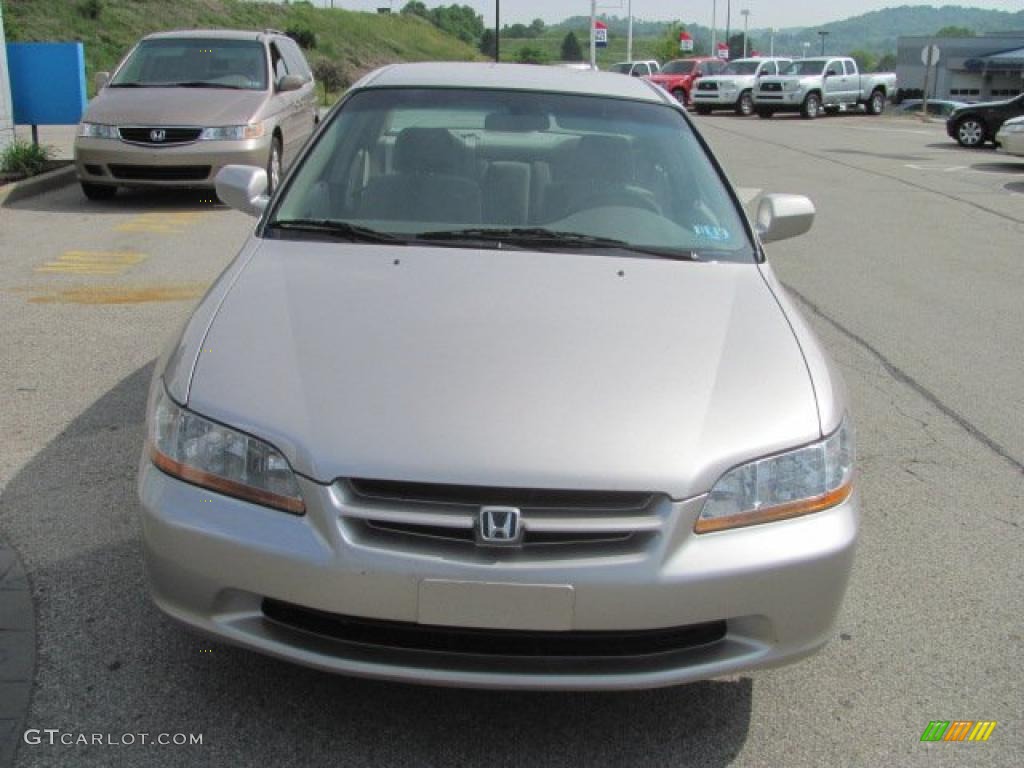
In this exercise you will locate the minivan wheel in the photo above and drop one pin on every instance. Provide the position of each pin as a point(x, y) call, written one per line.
point(811, 106)
point(274, 166)
point(970, 132)
point(98, 191)
point(745, 106)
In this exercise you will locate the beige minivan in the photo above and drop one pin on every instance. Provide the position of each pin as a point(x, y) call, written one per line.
point(184, 104)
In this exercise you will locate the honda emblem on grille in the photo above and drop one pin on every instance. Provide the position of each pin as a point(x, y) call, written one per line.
point(500, 527)
point(157, 135)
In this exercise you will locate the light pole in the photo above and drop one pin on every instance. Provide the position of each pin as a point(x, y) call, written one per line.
point(629, 32)
point(806, 45)
point(771, 44)
point(823, 33)
point(714, 30)
point(593, 41)
point(497, 31)
point(746, 21)
point(728, 21)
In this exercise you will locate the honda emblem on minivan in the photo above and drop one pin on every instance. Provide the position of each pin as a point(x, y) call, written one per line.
point(500, 526)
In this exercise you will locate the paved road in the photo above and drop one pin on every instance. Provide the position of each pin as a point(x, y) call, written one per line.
point(912, 278)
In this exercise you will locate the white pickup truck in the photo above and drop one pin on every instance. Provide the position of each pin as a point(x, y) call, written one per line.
point(809, 86)
point(733, 87)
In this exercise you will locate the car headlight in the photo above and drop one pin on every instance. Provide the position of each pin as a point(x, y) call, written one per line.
point(233, 132)
point(98, 131)
point(204, 453)
point(798, 482)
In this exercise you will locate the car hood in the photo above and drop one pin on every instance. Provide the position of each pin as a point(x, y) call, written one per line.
point(509, 368)
point(174, 106)
point(663, 78)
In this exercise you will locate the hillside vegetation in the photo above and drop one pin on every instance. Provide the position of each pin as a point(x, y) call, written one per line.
point(108, 28)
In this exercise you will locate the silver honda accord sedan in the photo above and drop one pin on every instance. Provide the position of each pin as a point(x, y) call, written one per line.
point(501, 392)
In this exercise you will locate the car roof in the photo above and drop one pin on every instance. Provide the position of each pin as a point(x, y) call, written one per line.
point(222, 34)
point(519, 77)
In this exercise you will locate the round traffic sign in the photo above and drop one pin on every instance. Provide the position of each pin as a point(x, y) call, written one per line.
point(935, 54)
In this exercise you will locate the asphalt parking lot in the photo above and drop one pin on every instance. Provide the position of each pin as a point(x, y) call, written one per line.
point(912, 276)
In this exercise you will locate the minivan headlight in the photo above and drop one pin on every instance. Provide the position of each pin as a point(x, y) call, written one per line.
point(98, 131)
point(233, 132)
point(798, 482)
point(205, 453)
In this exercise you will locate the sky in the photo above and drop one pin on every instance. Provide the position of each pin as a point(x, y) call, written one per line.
point(763, 13)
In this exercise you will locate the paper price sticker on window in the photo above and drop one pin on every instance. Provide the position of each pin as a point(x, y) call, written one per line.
point(709, 232)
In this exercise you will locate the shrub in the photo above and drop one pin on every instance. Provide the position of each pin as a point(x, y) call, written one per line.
point(24, 157)
point(304, 36)
point(91, 9)
point(530, 55)
point(332, 76)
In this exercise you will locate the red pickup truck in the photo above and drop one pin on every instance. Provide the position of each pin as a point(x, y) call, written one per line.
point(677, 77)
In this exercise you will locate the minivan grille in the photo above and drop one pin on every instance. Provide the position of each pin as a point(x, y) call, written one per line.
point(160, 172)
point(415, 516)
point(146, 135)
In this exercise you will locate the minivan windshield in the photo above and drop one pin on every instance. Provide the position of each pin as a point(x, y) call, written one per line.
point(680, 67)
point(503, 169)
point(196, 63)
point(808, 67)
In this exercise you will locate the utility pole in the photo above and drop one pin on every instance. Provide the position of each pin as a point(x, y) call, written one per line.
point(714, 31)
point(629, 31)
point(823, 33)
point(728, 23)
point(593, 40)
point(746, 21)
point(497, 31)
point(771, 43)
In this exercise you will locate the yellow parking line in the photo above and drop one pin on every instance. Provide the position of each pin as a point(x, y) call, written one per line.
point(163, 223)
point(93, 262)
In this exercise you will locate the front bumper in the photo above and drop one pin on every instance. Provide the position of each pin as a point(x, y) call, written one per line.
point(780, 101)
point(715, 98)
point(113, 162)
point(214, 560)
point(1010, 143)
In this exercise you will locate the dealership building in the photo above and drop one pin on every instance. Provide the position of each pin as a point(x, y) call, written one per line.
point(985, 68)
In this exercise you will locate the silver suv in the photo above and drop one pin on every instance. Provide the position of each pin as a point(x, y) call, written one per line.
point(184, 104)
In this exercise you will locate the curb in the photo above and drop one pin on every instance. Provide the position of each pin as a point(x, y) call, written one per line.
point(37, 185)
point(17, 652)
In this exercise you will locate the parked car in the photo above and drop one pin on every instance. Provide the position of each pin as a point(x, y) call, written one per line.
point(1011, 136)
point(678, 77)
point(533, 412)
point(182, 105)
point(936, 107)
point(734, 87)
point(809, 86)
point(636, 68)
point(976, 124)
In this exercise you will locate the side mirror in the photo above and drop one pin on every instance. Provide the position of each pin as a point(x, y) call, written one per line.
point(290, 83)
point(243, 187)
point(831, 73)
point(100, 79)
point(637, 73)
point(780, 217)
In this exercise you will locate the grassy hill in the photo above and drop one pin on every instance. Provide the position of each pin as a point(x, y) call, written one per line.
point(361, 41)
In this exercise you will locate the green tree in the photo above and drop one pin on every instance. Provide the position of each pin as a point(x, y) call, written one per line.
point(529, 54)
point(537, 27)
point(416, 8)
point(866, 61)
point(331, 75)
point(667, 47)
point(886, 63)
point(955, 32)
point(571, 50)
point(736, 46)
point(488, 45)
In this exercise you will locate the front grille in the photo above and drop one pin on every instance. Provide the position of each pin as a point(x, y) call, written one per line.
point(160, 172)
point(406, 636)
point(706, 86)
point(414, 516)
point(771, 86)
point(144, 135)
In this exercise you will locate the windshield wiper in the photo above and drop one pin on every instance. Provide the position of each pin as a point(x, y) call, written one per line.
point(337, 229)
point(541, 239)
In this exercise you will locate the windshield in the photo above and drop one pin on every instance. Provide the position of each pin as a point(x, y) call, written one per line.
point(195, 62)
point(809, 67)
point(622, 68)
point(741, 68)
point(681, 67)
point(412, 163)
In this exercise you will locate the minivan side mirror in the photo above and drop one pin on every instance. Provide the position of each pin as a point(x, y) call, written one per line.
point(290, 83)
point(100, 79)
point(243, 187)
point(780, 217)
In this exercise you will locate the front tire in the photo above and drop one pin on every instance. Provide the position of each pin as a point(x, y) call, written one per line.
point(745, 106)
point(98, 191)
point(970, 133)
point(876, 104)
point(680, 95)
point(274, 166)
point(811, 107)
point(703, 109)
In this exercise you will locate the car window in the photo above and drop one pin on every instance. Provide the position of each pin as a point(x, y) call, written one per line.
point(277, 63)
point(165, 62)
point(851, 68)
point(621, 68)
point(736, 68)
point(293, 58)
point(808, 67)
point(640, 70)
point(411, 161)
point(681, 67)
point(769, 68)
